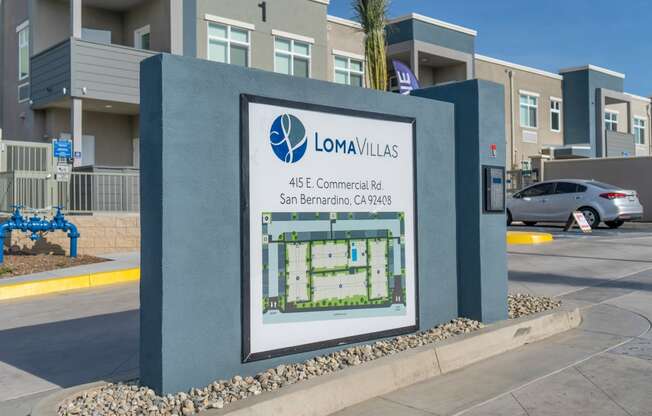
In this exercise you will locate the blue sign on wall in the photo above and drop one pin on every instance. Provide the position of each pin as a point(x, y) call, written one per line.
point(62, 148)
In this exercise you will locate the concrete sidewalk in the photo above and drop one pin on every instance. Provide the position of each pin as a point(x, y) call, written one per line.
point(602, 368)
point(67, 338)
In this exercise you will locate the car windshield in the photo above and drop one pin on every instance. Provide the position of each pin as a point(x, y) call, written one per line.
point(601, 185)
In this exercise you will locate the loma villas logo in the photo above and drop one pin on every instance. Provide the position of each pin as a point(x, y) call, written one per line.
point(289, 142)
point(288, 138)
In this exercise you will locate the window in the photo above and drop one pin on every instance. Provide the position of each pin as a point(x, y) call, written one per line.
point(23, 51)
point(539, 190)
point(529, 106)
point(639, 130)
point(555, 115)
point(23, 92)
point(568, 188)
point(228, 44)
point(611, 120)
point(292, 57)
point(142, 38)
point(349, 71)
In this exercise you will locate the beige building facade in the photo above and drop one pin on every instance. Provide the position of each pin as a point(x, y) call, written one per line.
point(533, 107)
point(71, 68)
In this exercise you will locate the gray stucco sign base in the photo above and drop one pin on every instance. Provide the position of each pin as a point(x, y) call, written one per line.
point(191, 318)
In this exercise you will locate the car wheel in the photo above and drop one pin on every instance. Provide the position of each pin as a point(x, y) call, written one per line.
point(509, 218)
point(614, 224)
point(591, 215)
point(530, 223)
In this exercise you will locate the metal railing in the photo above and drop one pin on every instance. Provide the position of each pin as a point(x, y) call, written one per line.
point(25, 156)
point(84, 192)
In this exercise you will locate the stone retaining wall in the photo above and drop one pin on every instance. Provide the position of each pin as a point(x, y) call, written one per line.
point(100, 234)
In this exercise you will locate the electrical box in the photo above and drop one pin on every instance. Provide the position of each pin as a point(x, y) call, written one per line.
point(494, 189)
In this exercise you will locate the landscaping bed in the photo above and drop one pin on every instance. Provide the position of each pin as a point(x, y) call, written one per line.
point(132, 399)
point(19, 264)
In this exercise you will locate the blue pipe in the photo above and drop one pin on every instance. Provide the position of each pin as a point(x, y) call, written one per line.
point(36, 225)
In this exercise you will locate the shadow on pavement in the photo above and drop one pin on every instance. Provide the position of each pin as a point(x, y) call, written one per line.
point(637, 281)
point(580, 257)
point(77, 351)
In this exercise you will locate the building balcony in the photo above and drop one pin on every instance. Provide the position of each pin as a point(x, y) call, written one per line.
point(84, 69)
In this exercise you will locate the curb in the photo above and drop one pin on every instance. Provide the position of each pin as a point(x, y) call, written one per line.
point(334, 392)
point(63, 284)
point(525, 237)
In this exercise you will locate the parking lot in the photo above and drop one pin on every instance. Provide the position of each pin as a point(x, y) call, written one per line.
point(62, 340)
point(631, 229)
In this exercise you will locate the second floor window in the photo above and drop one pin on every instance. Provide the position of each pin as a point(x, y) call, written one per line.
point(292, 57)
point(528, 107)
point(142, 37)
point(611, 120)
point(555, 115)
point(23, 52)
point(639, 130)
point(228, 44)
point(349, 71)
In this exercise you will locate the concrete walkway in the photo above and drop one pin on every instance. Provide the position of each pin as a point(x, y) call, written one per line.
point(602, 368)
point(65, 339)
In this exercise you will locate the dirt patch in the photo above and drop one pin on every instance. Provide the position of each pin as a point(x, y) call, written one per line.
point(18, 264)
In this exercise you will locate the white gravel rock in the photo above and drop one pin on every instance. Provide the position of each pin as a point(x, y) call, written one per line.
point(131, 399)
point(522, 304)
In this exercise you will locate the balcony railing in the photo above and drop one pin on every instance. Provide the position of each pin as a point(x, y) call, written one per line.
point(84, 69)
point(619, 144)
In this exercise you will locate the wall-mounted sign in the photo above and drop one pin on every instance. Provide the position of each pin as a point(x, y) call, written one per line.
point(62, 148)
point(329, 214)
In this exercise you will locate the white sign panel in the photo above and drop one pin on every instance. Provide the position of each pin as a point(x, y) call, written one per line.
point(331, 227)
point(580, 219)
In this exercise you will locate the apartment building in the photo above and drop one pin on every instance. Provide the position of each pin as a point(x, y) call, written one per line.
point(71, 69)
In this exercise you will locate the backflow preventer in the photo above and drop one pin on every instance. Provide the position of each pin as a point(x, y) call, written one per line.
point(38, 227)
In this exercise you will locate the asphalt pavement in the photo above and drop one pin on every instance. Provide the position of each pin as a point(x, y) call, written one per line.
point(602, 368)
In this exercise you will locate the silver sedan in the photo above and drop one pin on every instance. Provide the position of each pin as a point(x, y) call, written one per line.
point(555, 201)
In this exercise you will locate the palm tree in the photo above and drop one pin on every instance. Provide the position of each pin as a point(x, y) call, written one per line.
point(372, 16)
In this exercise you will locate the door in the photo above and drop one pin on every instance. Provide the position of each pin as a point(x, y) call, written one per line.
point(530, 203)
point(87, 150)
point(567, 198)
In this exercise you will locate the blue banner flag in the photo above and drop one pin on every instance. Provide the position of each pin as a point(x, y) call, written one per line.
point(405, 77)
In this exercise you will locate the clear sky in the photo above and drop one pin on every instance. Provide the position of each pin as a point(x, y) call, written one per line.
point(550, 34)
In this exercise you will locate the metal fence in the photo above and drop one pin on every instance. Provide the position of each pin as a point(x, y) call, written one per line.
point(85, 192)
point(25, 156)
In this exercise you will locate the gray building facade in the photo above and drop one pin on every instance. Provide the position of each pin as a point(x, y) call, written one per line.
point(80, 71)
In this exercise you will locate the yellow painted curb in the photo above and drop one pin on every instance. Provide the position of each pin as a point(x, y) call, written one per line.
point(524, 237)
point(62, 284)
